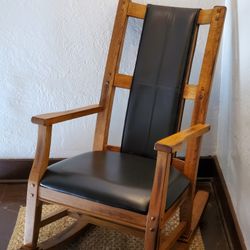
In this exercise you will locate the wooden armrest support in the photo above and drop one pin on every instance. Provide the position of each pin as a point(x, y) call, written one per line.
point(52, 118)
point(174, 142)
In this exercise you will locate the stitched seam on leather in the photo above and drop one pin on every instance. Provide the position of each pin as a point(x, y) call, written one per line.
point(168, 17)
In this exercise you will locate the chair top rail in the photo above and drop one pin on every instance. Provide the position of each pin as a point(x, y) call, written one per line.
point(139, 10)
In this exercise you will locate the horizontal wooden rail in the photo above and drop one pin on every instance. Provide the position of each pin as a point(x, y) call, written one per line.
point(139, 10)
point(190, 91)
point(205, 17)
point(56, 117)
point(91, 208)
point(54, 216)
point(178, 164)
point(125, 82)
point(173, 143)
point(113, 148)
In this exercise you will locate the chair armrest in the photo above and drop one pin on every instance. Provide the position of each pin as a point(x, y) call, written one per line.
point(52, 118)
point(174, 142)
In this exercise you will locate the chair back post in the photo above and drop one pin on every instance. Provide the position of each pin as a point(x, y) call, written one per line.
point(40, 164)
point(112, 67)
point(157, 203)
point(203, 90)
point(200, 113)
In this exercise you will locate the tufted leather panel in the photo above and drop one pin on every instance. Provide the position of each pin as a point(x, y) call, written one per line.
point(115, 179)
point(157, 85)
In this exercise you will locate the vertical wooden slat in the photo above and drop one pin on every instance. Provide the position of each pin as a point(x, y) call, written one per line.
point(205, 17)
point(112, 66)
point(204, 87)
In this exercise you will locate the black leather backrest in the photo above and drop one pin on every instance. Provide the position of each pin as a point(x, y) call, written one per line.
point(157, 86)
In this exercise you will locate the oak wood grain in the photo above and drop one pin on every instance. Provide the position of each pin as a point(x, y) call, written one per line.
point(117, 215)
point(190, 91)
point(201, 106)
point(157, 204)
point(52, 118)
point(123, 81)
point(174, 142)
point(60, 213)
point(105, 215)
point(112, 68)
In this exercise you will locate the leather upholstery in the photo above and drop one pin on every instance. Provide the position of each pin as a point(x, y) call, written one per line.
point(117, 179)
point(157, 85)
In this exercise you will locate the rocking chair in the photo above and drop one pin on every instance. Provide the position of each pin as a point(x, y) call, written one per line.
point(137, 187)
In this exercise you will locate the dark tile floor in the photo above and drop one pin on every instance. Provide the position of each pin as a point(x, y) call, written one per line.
point(211, 225)
point(12, 196)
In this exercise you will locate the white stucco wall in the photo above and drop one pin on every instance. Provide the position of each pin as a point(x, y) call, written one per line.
point(52, 58)
point(234, 118)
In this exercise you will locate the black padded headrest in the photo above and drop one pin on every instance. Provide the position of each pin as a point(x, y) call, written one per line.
point(158, 80)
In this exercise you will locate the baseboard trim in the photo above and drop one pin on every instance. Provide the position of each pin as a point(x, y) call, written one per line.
point(230, 220)
point(17, 170)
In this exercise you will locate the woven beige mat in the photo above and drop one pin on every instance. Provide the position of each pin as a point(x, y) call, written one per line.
point(94, 238)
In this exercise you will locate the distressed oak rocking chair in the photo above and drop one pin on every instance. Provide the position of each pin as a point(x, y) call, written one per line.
point(137, 187)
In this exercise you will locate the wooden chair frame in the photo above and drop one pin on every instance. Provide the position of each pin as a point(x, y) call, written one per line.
point(148, 226)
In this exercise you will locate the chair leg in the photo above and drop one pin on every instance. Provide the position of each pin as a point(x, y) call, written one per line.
point(186, 214)
point(32, 220)
point(191, 212)
point(151, 241)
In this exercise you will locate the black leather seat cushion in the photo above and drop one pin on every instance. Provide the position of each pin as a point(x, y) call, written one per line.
point(117, 179)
